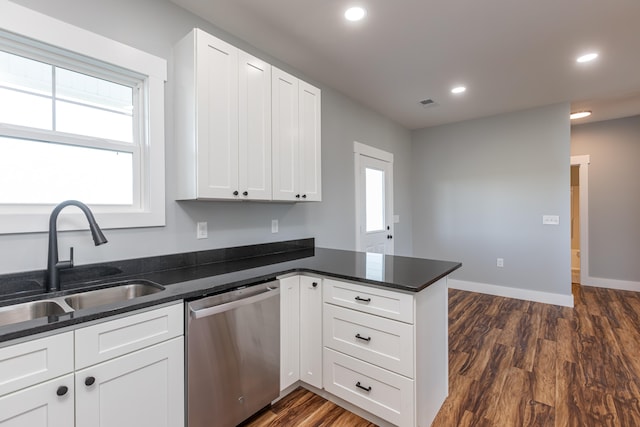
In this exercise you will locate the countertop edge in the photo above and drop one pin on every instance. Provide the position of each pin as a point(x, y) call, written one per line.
point(173, 293)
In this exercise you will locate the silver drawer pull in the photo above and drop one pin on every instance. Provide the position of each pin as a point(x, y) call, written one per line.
point(360, 337)
point(367, 300)
point(360, 386)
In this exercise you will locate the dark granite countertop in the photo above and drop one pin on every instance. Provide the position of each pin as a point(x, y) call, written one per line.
point(185, 280)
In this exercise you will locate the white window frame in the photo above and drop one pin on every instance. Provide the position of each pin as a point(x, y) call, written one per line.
point(151, 212)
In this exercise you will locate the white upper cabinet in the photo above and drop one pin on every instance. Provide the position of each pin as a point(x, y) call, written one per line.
point(310, 146)
point(244, 130)
point(223, 121)
point(296, 139)
point(255, 128)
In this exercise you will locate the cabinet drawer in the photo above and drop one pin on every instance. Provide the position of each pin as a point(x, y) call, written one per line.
point(28, 363)
point(381, 302)
point(383, 393)
point(382, 342)
point(113, 338)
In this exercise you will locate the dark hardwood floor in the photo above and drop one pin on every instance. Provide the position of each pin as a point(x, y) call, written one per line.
point(305, 409)
point(516, 363)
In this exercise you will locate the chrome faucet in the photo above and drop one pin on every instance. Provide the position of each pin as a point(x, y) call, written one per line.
point(52, 281)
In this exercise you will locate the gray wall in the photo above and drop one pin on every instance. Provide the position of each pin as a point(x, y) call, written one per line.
point(154, 26)
point(614, 195)
point(480, 190)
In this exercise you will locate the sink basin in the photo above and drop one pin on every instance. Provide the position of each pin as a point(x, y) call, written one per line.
point(29, 311)
point(116, 293)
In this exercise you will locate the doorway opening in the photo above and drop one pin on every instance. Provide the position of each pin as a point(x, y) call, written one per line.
point(580, 219)
point(374, 199)
point(575, 224)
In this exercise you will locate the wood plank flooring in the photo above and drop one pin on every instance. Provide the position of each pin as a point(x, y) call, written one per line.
point(302, 408)
point(516, 363)
point(519, 363)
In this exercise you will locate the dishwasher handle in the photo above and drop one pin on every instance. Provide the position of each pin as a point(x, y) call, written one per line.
point(215, 309)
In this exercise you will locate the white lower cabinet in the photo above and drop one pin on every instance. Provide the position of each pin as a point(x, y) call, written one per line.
point(127, 372)
point(374, 389)
point(144, 388)
point(373, 339)
point(49, 404)
point(36, 383)
point(300, 331)
point(386, 351)
point(289, 331)
point(311, 330)
point(382, 350)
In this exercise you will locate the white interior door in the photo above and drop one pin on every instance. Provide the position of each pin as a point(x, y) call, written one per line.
point(375, 204)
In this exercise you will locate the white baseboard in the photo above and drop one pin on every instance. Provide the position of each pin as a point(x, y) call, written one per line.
point(600, 282)
point(504, 291)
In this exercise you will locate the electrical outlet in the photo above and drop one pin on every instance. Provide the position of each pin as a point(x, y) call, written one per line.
point(500, 262)
point(201, 230)
point(274, 225)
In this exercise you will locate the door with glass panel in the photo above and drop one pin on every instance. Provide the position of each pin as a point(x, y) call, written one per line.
point(376, 201)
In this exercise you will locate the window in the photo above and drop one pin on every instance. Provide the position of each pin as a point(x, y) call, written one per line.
point(374, 199)
point(77, 121)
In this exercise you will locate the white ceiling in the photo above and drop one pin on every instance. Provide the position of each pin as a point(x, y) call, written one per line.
point(511, 54)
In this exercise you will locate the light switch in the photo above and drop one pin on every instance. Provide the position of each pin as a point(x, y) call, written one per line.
point(550, 219)
point(201, 230)
point(274, 225)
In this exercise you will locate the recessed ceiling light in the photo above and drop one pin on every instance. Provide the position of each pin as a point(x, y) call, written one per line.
point(587, 58)
point(579, 115)
point(355, 14)
point(458, 89)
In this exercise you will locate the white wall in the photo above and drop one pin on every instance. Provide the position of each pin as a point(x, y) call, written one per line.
point(480, 190)
point(154, 26)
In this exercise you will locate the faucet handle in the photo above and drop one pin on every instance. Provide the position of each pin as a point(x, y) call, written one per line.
point(66, 264)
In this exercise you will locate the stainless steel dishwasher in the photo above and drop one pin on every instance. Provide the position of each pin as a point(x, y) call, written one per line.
point(233, 355)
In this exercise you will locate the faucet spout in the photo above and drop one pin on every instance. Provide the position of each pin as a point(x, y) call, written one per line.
point(54, 265)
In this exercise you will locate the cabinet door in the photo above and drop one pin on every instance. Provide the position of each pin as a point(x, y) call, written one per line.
point(140, 389)
point(40, 405)
point(289, 331)
point(255, 128)
point(286, 167)
point(310, 143)
point(217, 117)
point(311, 330)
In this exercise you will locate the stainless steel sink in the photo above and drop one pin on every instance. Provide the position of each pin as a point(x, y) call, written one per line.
point(29, 311)
point(110, 294)
point(119, 292)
